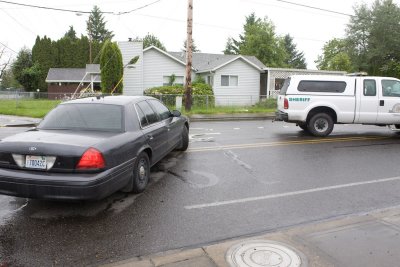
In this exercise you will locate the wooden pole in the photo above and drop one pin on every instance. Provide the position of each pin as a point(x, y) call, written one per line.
point(188, 84)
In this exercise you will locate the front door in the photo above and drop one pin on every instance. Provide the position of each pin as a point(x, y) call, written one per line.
point(389, 101)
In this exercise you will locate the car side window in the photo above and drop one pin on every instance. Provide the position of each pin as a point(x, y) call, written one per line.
point(369, 88)
point(151, 116)
point(142, 117)
point(162, 110)
point(391, 88)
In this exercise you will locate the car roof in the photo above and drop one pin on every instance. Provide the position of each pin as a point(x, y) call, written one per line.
point(111, 100)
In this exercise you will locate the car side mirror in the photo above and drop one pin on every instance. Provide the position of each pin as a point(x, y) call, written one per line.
point(176, 113)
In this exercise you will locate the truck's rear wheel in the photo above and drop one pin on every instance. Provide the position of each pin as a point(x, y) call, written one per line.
point(320, 124)
point(303, 126)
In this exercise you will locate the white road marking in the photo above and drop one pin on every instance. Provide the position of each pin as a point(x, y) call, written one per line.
point(236, 128)
point(260, 127)
point(288, 194)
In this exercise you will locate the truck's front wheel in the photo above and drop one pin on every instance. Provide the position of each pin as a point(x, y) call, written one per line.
point(320, 124)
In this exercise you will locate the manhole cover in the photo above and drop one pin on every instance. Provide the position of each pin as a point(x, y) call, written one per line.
point(262, 253)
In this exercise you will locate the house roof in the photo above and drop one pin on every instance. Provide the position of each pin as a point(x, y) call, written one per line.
point(74, 75)
point(203, 62)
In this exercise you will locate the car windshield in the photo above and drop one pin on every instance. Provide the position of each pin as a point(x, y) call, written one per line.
point(86, 117)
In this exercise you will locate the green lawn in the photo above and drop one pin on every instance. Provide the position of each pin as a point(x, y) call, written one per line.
point(38, 108)
point(35, 108)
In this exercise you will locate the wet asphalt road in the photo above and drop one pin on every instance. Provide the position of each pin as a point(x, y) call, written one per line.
point(237, 179)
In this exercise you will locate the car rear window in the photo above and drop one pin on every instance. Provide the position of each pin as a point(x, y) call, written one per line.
point(93, 117)
point(322, 86)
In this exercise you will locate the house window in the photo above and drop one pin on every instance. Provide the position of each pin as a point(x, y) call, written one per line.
point(177, 81)
point(229, 80)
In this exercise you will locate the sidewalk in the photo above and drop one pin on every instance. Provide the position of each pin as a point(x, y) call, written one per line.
point(369, 239)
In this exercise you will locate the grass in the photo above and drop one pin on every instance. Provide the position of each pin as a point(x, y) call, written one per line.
point(35, 108)
point(38, 108)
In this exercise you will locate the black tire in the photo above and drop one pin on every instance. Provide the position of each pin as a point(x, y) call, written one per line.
point(184, 143)
point(303, 126)
point(141, 173)
point(320, 124)
point(397, 126)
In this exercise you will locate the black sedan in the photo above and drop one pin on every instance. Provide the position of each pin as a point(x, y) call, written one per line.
point(90, 148)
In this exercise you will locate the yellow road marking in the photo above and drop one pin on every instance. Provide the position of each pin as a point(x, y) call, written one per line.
point(286, 143)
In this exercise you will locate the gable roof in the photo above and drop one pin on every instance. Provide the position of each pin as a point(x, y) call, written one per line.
point(74, 75)
point(204, 62)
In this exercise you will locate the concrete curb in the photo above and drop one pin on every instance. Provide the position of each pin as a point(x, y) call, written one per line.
point(232, 117)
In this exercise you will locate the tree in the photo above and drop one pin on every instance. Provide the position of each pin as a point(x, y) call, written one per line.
point(194, 47)
point(96, 26)
point(373, 36)
point(335, 56)
point(8, 80)
point(25, 71)
point(259, 39)
point(111, 68)
point(295, 58)
point(71, 33)
point(151, 40)
point(3, 64)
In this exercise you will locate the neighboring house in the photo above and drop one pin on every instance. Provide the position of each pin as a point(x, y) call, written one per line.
point(66, 81)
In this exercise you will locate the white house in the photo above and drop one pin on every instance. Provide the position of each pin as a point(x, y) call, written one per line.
point(235, 79)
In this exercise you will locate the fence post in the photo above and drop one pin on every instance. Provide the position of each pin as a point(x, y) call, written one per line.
point(206, 101)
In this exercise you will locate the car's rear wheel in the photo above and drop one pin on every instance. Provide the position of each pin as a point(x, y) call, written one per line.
point(141, 173)
point(320, 124)
point(184, 144)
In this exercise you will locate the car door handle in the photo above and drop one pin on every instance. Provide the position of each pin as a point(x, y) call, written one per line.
point(149, 137)
point(381, 103)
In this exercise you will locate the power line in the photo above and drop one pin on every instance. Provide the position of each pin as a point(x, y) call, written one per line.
point(79, 11)
point(12, 50)
point(316, 8)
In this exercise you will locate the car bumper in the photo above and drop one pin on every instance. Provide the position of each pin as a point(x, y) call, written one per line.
point(281, 116)
point(65, 186)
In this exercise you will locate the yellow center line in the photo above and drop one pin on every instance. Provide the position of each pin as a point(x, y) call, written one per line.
point(286, 143)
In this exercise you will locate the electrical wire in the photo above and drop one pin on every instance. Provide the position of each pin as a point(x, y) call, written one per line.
point(12, 50)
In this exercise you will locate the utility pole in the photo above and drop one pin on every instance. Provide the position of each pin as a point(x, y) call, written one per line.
point(188, 84)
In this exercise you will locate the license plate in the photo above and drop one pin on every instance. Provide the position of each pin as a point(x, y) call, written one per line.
point(35, 162)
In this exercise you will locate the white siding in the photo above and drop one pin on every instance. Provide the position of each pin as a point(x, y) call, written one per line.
point(133, 77)
point(157, 65)
point(248, 90)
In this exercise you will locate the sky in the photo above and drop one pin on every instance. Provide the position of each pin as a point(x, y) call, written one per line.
point(214, 21)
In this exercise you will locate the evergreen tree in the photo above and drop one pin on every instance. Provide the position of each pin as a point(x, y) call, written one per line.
point(150, 40)
point(45, 54)
point(194, 47)
point(259, 39)
point(71, 33)
point(96, 26)
point(295, 58)
point(111, 68)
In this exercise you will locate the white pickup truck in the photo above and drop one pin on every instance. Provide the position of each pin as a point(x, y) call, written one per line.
point(315, 102)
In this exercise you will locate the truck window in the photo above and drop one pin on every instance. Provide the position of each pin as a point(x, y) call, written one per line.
point(322, 86)
point(285, 87)
point(369, 88)
point(391, 88)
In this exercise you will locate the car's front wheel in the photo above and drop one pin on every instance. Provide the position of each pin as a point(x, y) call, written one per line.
point(141, 173)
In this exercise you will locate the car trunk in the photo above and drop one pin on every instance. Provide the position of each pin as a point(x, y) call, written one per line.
point(59, 148)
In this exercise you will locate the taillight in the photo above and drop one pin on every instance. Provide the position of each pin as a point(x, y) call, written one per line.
point(285, 103)
point(91, 159)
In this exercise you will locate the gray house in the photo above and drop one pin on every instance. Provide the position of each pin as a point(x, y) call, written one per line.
point(235, 79)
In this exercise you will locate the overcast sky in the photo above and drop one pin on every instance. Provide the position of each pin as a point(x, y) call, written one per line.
point(214, 21)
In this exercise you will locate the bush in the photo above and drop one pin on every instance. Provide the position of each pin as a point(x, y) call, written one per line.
point(202, 94)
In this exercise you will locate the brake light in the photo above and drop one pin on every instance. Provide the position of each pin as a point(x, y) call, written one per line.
point(91, 159)
point(285, 103)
